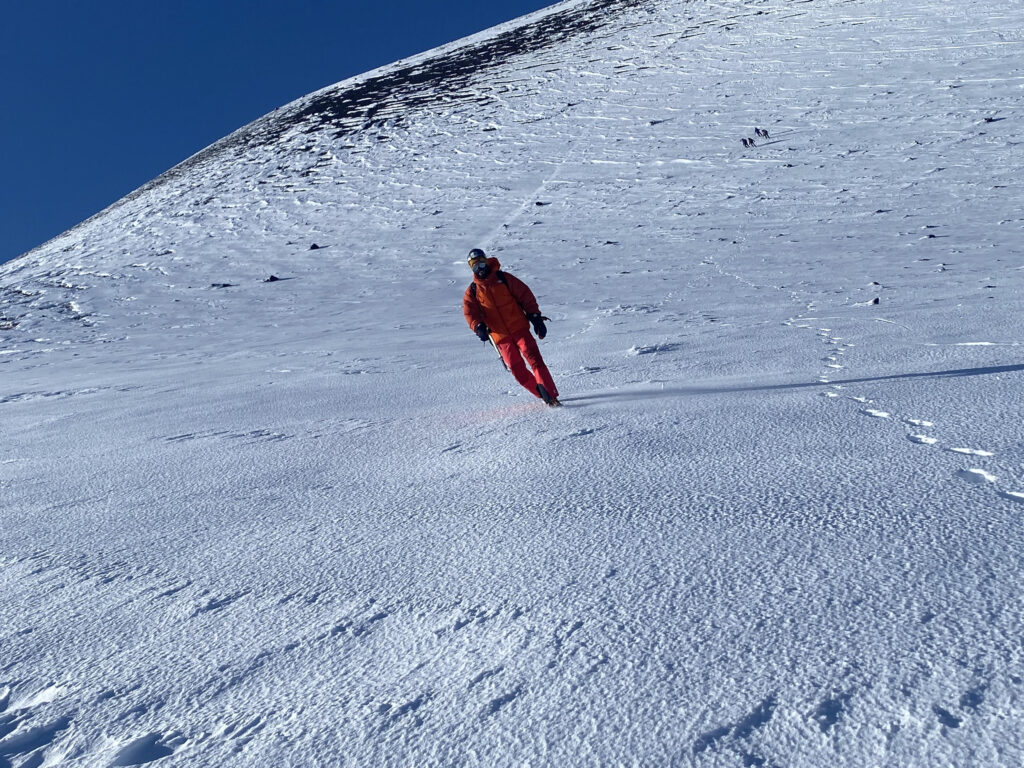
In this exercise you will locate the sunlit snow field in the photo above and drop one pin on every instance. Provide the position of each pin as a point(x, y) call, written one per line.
point(313, 521)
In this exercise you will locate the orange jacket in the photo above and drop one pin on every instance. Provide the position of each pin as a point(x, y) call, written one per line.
point(501, 301)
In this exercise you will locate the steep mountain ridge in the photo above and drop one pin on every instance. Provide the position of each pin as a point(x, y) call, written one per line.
point(392, 92)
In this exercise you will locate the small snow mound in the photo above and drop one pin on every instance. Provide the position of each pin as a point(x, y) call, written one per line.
point(976, 476)
point(919, 423)
point(971, 452)
point(44, 696)
point(146, 749)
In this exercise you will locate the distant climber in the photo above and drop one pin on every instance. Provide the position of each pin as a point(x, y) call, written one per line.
point(500, 308)
point(746, 143)
point(750, 142)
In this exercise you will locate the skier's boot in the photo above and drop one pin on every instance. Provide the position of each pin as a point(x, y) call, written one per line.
point(551, 401)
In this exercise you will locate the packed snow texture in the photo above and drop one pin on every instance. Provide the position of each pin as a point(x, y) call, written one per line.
point(312, 521)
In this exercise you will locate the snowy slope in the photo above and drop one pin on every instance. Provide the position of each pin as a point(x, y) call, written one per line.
point(314, 522)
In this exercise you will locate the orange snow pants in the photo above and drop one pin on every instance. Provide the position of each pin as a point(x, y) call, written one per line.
point(522, 345)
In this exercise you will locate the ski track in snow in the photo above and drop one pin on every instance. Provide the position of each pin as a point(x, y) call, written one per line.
point(308, 521)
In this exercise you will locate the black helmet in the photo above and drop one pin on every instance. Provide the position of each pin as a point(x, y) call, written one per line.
point(478, 263)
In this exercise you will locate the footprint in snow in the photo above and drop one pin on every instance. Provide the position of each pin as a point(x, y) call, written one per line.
point(919, 423)
point(947, 718)
point(922, 439)
point(241, 731)
point(976, 476)
point(216, 603)
point(970, 452)
point(1013, 496)
point(497, 704)
point(830, 711)
point(731, 733)
point(875, 414)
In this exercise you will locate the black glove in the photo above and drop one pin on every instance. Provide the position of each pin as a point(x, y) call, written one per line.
point(538, 325)
point(482, 331)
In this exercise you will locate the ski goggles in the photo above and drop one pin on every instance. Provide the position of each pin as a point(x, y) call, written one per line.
point(479, 266)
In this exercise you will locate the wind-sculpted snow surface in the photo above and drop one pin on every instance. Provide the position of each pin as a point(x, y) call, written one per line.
point(266, 501)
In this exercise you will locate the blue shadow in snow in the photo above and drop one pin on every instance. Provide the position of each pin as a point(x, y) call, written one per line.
point(681, 391)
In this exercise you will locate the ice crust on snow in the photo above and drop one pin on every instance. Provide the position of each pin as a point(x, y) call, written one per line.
point(311, 521)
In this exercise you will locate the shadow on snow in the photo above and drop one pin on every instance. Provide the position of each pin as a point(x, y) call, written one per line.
point(709, 390)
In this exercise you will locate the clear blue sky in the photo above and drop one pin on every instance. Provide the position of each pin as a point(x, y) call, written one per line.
point(100, 97)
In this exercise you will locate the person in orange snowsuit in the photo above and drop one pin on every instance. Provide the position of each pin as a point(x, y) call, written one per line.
point(499, 307)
